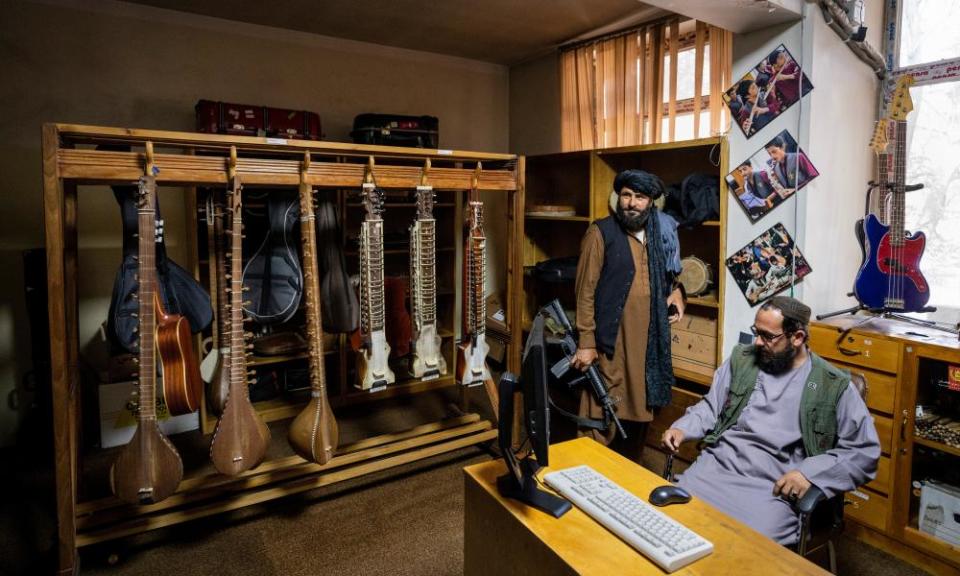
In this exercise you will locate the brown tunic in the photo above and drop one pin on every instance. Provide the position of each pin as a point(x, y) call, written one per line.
point(625, 371)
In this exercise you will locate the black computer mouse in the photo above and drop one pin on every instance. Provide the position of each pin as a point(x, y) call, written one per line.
point(669, 494)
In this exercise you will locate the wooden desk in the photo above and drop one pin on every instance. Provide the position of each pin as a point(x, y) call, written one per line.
point(503, 536)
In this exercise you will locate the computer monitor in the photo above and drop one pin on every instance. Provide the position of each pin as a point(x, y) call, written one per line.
point(520, 482)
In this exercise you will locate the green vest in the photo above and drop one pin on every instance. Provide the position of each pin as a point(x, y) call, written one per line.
point(818, 404)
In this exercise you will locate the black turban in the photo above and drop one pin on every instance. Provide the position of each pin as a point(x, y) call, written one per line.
point(639, 181)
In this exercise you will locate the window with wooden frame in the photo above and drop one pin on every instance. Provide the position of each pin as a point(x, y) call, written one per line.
point(661, 82)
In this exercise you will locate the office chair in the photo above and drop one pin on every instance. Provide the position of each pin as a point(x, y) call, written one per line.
point(821, 518)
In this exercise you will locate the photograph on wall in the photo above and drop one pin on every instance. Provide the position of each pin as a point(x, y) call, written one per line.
point(770, 176)
point(767, 265)
point(766, 91)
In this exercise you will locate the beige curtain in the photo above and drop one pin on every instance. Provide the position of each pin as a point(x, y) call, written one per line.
point(612, 91)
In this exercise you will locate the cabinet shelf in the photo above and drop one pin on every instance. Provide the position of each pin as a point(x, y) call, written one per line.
point(934, 445)
point(279, 359)
point(693, 376)
point(403, 205)
point(558, 218)
point(709, 300)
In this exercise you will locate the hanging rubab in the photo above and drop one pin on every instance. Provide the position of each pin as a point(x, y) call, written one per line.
point(241, 438)
point(149, 468)
point(313, 434)
point(373, 370)
point(472, 369)
point(428, 361)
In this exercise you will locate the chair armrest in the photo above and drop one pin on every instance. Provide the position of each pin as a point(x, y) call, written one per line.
point(810, 500)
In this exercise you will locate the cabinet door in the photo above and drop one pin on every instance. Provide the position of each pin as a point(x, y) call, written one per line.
point(902, 452)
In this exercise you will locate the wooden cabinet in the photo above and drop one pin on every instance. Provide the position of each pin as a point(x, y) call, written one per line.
point(906, 371)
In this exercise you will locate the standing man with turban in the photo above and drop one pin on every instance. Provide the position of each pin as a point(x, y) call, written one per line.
point(626, 281)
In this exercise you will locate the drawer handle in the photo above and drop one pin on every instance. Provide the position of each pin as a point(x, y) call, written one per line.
point(846, 351)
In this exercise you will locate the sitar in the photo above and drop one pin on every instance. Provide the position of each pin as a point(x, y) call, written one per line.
point(472, 369)
point(890, 278)
point(313, 433)
point(428, 361)
point(241, 438)
point(373, 370)
point(149, 468)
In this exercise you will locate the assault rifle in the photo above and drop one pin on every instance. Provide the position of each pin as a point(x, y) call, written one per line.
point(592, 375)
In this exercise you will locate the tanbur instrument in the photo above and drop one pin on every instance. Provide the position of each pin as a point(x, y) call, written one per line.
point(373, 371)
point(149, 468)
point(428, 361)
point(241, 438)
point(219, 386)
point(313, 433)
point(472, 352)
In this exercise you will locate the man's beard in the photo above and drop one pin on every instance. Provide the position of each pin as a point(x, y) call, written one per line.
point(775, 363)
point(633, 221)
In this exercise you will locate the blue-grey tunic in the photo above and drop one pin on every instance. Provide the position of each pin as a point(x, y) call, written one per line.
point(737, 474)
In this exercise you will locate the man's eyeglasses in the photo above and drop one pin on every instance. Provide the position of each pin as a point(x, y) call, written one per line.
point(767, 337)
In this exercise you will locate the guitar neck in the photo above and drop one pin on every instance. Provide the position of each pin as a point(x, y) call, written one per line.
point(475, 255)
point(897, 191)
point(308, 235)
point(371, 274)
point(423, 273)
point(221, 243)
point(147, 275)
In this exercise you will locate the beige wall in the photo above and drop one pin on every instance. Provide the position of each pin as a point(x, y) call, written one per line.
point(535, 106)
point(117, 64)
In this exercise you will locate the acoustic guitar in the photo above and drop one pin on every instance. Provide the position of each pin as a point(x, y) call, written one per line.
point(241, 438)
point(428, 361)
point(182, 385)
point(313, 433)
point(149, 468)
point(373, 370)
point(890, 278)
point(472, 369)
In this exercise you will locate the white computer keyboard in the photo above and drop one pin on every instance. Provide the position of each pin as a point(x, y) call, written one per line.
point(660, 538)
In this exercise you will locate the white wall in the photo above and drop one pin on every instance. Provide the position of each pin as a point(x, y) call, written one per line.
point(832, 124)
point(117, 64)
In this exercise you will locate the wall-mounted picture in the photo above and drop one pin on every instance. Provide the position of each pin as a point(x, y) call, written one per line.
point(771, 175)
point(766, 91)
point(767, 265)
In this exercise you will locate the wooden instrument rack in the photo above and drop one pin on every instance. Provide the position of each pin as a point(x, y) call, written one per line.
point(189, 160)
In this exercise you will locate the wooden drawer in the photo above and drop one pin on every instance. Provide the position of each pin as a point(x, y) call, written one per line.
point(884, 427)
point(881, 388)
point(867, 507)
point(867, 350)
point(882, 481)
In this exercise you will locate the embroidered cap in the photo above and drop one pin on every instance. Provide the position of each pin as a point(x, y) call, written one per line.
point(792, 308)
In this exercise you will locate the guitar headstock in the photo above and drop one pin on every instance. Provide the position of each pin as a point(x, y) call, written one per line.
point(425, 201)
point(879, 141)
point(147, 193)
point(372, 199)
point(475, 215)
point(901, 103)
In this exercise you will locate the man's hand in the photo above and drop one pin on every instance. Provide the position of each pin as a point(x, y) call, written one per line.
point(672, 439)
point(676, 298)
point(791, 486)
point(584, 358)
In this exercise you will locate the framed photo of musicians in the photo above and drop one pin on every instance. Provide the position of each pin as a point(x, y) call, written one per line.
point(773, 174)
point(767, 265)
point(766, 91)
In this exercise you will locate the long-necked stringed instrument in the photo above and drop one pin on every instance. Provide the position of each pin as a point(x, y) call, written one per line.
point(428, 361)
point(219, 388)
point(472, 352)
point(890, 278)
point(241, 438)
point(149, 468)
point(373, 371)
point(182, 385)
point(313, 433)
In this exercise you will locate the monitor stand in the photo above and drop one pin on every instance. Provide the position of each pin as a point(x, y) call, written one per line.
point(526, 489)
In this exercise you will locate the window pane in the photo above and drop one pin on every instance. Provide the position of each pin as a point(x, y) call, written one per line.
point(933, 139)
point(929, 31)
point(686, 68)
